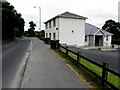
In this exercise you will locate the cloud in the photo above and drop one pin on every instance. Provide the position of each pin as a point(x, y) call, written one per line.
point(97, 11)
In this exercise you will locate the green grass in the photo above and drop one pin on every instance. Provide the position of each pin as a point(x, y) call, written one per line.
point(111, 78)
point(63, 50)
point(72, 55)
point(91, 66)
point(114, 80)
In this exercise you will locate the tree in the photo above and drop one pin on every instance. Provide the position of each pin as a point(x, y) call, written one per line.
point(31, 29)
point(12, 22)
point(112, 27)
point(40, 34)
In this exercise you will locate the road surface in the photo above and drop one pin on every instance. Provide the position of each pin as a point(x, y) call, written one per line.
point(13, 54)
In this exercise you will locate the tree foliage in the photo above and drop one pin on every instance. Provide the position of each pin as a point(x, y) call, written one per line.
point(42, 33)
point(31, 29)
point(112, 27)
point(12, 22)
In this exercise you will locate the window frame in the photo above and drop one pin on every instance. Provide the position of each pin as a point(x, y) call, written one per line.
point(85, 37)
point(50, 35)
point(46, 35)
point(106, 37)
point(54, 36)
point(46, 25)
point(50, 24)
point(54, 22)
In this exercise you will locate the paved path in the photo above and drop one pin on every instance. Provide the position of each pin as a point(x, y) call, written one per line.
point(45, 70)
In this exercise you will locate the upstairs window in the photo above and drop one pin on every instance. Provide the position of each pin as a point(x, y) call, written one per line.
point(50, 24)
point(46, 25)
point(54, 22)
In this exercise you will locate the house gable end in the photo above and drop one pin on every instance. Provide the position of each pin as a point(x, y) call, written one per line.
point(71, 15)
point(99, 32)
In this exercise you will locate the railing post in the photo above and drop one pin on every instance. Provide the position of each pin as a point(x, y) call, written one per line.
point(78, 57)
point(67, 50)
point(58, 46)
point(104, 73)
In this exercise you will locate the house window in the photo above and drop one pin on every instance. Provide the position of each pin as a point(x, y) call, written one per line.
point(46, 25)
point(46, 35)
point(54, 23)
point(50, 35)
point(85, 38)
point(56, 28)
point(106, 38)
point(54, 36)
point(50, 24)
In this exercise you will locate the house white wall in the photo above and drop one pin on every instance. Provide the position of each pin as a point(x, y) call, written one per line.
point(119, 11)
point(87, 42)
point(52, 29)
point(91, 42)
point(72, 31)
point(107, 42)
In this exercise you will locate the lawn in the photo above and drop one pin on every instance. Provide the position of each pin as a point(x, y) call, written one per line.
point(111, 78)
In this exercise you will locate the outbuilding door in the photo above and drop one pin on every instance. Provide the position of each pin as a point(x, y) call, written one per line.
point(98, 40)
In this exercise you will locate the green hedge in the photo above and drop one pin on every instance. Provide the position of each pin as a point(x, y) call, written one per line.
point(116, 41)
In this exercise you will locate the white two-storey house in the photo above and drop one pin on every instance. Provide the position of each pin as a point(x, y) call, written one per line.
point(67, 27)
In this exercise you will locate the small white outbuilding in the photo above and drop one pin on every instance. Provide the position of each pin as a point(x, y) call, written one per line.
point(95, 36)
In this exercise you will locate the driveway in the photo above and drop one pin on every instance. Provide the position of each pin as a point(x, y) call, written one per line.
point(110, 57)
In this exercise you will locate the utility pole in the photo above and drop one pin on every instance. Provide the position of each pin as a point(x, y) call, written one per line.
point(39, 16)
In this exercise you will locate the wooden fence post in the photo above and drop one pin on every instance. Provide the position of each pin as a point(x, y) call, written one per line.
point(78, 57)
point(58, 47)
point(67, 50)
point(104, 73)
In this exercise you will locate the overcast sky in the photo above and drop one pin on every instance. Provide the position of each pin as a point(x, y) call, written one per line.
point(97, 11)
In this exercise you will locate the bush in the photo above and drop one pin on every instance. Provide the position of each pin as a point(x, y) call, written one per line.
point(116, 41)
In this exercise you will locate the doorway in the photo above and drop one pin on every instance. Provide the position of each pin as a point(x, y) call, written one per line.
point(98, 40)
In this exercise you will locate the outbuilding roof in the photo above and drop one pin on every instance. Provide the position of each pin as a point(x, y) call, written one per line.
point(92, 30)
point(68, 15)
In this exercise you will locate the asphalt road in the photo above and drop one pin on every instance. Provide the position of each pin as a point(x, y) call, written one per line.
point(109, 57)
point(13, 54)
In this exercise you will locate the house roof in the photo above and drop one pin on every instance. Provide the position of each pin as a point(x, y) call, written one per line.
point(91, 30)
point(71, 15)
point(68, 15)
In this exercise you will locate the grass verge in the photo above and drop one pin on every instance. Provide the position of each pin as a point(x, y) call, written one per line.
point(111, 78)
point(89, 78)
